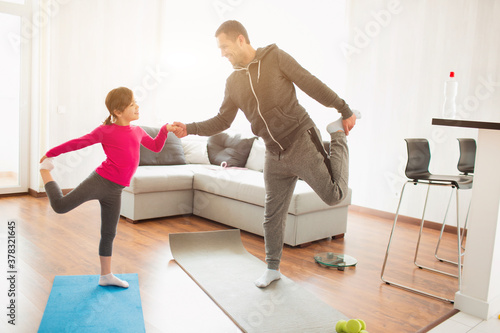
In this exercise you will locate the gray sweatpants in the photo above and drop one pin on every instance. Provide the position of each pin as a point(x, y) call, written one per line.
point(95, 187)
point(305, 159)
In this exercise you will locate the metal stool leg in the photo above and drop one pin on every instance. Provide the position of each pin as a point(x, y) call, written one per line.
point(421, 227)
point(442, 227)
point(392, 233)
point(420, 235)
point(462, 240)
point(459, 246)
point(388, 282)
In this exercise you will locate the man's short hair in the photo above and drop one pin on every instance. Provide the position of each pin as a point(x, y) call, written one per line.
point(233, 29)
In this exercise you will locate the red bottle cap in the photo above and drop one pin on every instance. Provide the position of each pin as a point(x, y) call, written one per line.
point(452, 74)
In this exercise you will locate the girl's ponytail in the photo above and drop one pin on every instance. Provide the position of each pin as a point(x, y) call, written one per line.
point(108, 121)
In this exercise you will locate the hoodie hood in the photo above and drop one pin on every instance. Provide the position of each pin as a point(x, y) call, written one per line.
point(260, 53)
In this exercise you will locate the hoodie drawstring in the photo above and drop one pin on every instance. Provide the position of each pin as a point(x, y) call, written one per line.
point(258, 73)
point(247, 71)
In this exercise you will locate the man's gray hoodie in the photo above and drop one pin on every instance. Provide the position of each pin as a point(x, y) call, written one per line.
point(264, 90)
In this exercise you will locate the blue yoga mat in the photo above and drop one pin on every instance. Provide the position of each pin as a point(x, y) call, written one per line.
point(78, 304)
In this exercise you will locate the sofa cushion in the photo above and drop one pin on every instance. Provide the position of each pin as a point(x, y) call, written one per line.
point(236, 183)
point(305, 200)
point(248, 186)
point(171, 154)
point(231, 149)
point(157, 178)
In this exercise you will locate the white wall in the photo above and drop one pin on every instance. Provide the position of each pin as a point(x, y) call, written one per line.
point(398, 56)
point(388, 59)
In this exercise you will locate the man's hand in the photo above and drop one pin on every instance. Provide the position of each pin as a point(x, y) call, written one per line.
point(349, 123)
point(179, 129)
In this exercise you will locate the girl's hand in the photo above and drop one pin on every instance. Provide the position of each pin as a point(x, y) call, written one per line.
point(180, 129)
point(43, 157)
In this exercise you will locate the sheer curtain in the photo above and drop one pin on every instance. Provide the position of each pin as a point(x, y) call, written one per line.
point(398, 55)
point(91, 47)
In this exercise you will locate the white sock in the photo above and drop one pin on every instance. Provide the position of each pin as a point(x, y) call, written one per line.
point(47, 164)
point(111, 280)
point(269, 276)
point(337, 124)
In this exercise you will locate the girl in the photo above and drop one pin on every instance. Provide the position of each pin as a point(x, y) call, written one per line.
point(121, 142)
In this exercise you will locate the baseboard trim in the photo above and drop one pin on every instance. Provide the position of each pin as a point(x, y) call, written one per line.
point(13, 194)
point(37, 194)
point(477, 307)
point(404, 219)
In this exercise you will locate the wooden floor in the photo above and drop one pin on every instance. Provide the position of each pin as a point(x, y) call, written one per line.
point(50, 244)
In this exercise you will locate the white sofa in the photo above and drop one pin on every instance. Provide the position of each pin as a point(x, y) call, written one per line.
point(233, 196)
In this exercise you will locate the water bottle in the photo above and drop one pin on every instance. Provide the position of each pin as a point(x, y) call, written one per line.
point(450, 94)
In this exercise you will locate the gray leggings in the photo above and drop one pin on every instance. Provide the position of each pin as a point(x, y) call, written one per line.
point(306, 158)
point(94, 187)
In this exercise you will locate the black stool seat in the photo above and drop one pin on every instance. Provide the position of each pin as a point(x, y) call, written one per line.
point(460, 181)
point(417, 167)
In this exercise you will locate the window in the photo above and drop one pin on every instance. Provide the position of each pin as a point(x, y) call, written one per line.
point(14, 89)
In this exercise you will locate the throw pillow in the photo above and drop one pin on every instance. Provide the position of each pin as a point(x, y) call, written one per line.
point(195, 149)
point(171, 154)
point(256, 157)
point(230, 149)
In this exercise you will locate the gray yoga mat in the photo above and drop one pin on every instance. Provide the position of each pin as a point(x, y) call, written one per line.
point(221, 266)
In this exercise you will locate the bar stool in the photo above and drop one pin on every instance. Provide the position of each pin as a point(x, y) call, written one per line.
point(466, 163)
point(417, 172)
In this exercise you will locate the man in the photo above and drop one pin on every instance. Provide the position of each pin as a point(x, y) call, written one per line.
point(262, 86)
